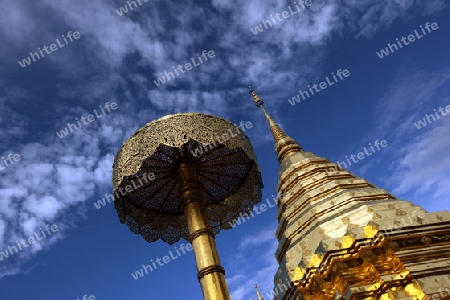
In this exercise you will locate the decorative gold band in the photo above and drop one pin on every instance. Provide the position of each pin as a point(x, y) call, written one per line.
point(197, 233)
point(208, 270)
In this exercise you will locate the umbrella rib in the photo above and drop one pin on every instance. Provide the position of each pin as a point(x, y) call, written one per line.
point(134, 176)
point(220, 174)
point(156, 158)
point(165, 171)
point(159, 178)
point(225, 175)
point(209, 193)
point(174, 158)
point(160, 150)
point(232, 151)
point(167, 195)
point(207, 179)
point(226, 164)
point(156, 191)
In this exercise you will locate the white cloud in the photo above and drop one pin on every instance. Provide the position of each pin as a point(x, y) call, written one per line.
point(416, 161)
point(424, 167)
point(260, 268)
point(46, 207)
point(258, 239)
point(56, 175)
point(368, 16)
point(53, 178)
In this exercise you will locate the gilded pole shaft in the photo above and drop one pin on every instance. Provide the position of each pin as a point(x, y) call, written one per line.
point(211, 274)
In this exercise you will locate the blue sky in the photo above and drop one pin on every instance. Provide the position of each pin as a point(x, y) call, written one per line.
point(117, 58)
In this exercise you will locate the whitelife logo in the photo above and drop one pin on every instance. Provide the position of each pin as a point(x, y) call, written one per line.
point(162, 80)
point(258, 209)
point(90, 118)
point(128, 189)
point(85, 297)
point(165, 260)
point(422, 123)
point(285, 14)
point(361, 155)
point(27, 61)
point(31, 240)
point(124, 9)
point(319, 87)
point(411, 38)
point(199, 151)
point(10, 158)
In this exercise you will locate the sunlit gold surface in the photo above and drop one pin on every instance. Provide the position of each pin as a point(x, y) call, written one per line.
point(174, 130)
point(193, 196)
point(337, 238)
point(258, 294)
point(284, 145)
point(211, 273)
point(156, 148)
point(341, 237)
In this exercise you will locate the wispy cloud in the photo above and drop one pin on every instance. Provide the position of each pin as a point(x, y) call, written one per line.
point(115, 60)
point(419, 166)
point(423, 169)
point(367, 16)
point(261, 246)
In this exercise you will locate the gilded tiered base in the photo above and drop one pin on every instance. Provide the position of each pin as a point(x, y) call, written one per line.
point(343, 238)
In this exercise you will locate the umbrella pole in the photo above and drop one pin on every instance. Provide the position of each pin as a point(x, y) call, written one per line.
point(211, 274)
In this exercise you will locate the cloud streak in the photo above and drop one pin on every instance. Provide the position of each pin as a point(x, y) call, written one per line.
point(116, 60)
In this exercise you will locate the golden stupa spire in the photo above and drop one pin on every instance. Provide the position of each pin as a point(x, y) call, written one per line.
point(284, 145)
point(260, 297)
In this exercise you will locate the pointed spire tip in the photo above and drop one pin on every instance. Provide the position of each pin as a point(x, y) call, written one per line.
point(284, 145)
point(258, 101)
point(258, 294)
